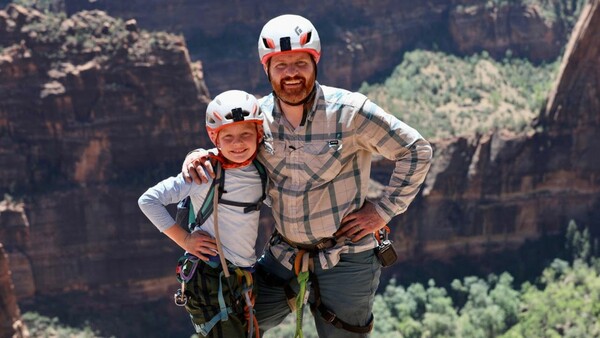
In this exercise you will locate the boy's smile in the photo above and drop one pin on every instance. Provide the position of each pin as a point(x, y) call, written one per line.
point(238, 141)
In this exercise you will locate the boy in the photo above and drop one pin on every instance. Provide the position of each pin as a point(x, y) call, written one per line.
point(234, 124)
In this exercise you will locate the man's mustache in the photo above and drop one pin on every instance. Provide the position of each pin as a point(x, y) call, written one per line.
point(293, 78)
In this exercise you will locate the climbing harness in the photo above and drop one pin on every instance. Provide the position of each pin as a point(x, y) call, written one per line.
point(385, 251)
point(185, 211)
point(186, 266)
point(307, 281)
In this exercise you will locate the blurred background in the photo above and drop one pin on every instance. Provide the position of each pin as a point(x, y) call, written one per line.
point(101, 99)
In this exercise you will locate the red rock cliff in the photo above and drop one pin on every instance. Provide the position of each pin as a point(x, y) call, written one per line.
point(14, 230)
point(496, 190)
point(362, 40)
point(92, 111)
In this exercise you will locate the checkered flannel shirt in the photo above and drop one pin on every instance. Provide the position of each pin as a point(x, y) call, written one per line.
point(320, 171)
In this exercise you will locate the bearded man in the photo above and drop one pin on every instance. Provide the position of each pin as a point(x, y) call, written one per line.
point(318, 146)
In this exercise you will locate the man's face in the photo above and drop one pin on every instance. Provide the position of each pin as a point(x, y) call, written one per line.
point(292, 76)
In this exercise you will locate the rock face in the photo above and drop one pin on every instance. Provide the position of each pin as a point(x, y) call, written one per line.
point(92, 112)
point(494, 191)
point(10, 317)
point(361, 40)
point(526, 29)
point(14, 230)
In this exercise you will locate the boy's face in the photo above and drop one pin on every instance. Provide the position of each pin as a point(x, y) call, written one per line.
point(238, 142)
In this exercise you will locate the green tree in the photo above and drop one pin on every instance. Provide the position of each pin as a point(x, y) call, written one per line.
point(567, 304)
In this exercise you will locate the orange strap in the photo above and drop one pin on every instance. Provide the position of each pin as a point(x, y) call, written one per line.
point(376, 233)
point(298, 261)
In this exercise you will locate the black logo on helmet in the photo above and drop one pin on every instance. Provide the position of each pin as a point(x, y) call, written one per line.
point(238, 115)
point(298, 30)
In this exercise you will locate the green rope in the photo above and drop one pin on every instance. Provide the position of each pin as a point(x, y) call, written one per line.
point(302, 279)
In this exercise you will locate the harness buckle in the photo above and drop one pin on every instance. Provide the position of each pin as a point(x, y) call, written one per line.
point(328, 316)
point(253, 207)
point(180, 298)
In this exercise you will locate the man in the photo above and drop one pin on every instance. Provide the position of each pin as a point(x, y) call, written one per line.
point(319, 142)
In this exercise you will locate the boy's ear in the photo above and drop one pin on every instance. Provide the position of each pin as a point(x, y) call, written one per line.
point(260, 133)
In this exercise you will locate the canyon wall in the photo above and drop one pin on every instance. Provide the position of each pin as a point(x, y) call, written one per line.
point(361, 40)
point(93, 110)
point(494, 191)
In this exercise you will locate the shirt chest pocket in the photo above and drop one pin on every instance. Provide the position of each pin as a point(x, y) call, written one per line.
point(322, 160)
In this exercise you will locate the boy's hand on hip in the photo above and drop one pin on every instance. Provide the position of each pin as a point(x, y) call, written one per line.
point(200, 244)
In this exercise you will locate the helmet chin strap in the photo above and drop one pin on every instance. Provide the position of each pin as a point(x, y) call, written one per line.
point(227, 164)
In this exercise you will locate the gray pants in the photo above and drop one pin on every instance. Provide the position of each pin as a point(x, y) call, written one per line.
point(348, 289)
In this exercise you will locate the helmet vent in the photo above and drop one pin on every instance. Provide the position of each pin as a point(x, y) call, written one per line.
point(268, 43)
point(285, 43)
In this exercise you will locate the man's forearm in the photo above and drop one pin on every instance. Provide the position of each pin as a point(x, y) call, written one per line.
point(406, 180)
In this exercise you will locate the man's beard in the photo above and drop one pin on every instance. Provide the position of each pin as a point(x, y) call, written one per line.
point(294, 96)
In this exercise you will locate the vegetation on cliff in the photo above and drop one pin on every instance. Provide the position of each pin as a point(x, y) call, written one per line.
point(443, 95)
point(87, 36)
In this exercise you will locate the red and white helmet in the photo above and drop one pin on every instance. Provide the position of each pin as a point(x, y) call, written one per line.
point(232, 106)
point(288, 33)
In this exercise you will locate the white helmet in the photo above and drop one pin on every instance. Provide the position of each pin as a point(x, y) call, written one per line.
point(287, 33)
point(232, 106)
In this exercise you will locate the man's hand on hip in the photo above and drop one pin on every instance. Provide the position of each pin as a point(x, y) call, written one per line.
point(360, 223)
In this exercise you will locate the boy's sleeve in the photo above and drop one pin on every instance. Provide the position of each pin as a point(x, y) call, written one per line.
point(153, 201)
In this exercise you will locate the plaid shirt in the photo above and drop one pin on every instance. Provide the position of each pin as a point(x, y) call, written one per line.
point(320, 171)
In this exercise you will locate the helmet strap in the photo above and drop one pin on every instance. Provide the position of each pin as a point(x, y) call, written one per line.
point(227, 164)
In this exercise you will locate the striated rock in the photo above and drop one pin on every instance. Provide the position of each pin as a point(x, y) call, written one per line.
point(14, 230)
point(10, 316)
point(90, 116)
point(361, 40)
point(494, 191)
point(507, 26)
point(574, 103)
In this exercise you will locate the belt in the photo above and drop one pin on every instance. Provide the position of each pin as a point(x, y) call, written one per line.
point(323, 244)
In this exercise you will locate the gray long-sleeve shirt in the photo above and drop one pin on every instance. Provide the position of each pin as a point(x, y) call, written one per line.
point(238, 231)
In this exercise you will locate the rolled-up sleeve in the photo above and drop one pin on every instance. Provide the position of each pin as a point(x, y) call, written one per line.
point(382, 133)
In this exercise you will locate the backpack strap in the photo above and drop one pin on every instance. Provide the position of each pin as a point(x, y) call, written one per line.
point(207, 207)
